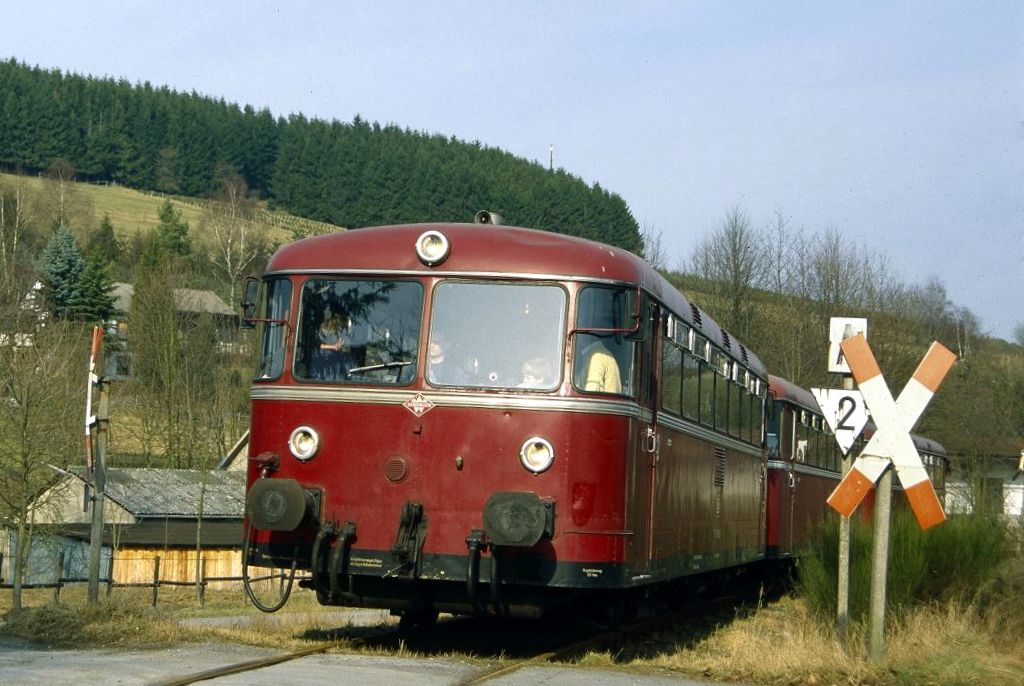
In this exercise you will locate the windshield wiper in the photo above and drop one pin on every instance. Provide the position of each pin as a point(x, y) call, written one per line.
point(385, 365)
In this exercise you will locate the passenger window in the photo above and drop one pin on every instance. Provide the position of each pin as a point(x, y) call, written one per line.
point(671, 378)
point(691, 386)
point(706, 411)
point(603, 355)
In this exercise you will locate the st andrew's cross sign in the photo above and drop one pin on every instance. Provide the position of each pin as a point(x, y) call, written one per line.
point(891, 441)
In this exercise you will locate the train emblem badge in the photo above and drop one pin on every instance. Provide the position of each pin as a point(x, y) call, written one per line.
point(419, 404)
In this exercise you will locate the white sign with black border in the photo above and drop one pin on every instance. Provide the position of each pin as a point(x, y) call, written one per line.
point(845, 413)
point(839, 329)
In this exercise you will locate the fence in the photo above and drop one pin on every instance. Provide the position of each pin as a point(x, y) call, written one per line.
point(155, 580)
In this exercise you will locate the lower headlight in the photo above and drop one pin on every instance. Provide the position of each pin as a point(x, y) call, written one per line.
point(537, 454)
point(304, 442)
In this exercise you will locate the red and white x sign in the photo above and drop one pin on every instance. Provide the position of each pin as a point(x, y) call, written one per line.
point(892, 441)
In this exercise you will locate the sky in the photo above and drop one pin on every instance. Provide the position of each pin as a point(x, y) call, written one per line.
point(898, 124)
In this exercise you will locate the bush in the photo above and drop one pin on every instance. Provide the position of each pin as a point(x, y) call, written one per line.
point(949, 561)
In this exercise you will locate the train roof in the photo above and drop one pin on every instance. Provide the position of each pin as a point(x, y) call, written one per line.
point(922, 443)
point(483, 249)
point(784, 389)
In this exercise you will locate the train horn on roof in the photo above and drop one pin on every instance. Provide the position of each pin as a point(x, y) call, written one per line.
point(485, 217)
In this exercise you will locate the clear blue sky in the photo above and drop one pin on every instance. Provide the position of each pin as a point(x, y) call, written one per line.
point(899, 124)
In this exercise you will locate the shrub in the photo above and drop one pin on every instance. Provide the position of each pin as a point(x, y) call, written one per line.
point(949, 561)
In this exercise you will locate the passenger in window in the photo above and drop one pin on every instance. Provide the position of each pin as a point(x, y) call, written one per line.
point(330, 361)
point(441, 368)
point(602, 369)
point(536, 374)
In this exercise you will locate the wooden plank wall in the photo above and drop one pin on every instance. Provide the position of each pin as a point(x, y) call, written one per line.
point(135, 565)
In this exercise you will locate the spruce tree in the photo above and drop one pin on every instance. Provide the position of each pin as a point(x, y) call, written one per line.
point(103, 244)
point(93, 302)
point(170, 239)
point(62, 266)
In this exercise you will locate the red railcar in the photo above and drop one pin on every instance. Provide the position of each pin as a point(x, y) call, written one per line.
point(481, 419)
point(804, 467)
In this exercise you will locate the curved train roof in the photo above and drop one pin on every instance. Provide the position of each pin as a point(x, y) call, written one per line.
point(497, 251)
point(784, 389)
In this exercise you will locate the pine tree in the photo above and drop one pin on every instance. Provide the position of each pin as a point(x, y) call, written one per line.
point(93, 302)
point(62, 266)
point(103, 244)
point(170, 239)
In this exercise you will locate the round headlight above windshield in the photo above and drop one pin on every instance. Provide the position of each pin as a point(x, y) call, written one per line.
point(304, 442)
point(537, 454)
point(432, 247)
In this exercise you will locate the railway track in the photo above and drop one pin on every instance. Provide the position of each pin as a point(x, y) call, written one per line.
point(453, 631)
point(269, 661)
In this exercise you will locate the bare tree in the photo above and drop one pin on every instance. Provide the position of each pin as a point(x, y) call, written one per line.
point(191, 391)
point(65, 206)
point(41, 404)
point(732, 259)
point(837, 279)
point(233, 242)
point(655, 251)
point(778, 240)
point(15, 219)
point(881, 288)
point(155, 340)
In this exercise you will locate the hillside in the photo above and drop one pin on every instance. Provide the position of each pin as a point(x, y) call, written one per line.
point(135, 212)
point(349, 174)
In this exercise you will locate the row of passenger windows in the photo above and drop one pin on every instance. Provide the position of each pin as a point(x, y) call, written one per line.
point(816, 445)
point(702, 383)
point(936, 468)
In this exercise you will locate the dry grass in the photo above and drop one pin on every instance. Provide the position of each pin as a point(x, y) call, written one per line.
point(783, 643)
point(126, 620)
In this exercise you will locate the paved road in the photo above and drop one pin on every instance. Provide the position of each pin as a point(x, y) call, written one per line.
point(24, 665)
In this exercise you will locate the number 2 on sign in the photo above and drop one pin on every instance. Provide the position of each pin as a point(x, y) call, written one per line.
point(848, 404)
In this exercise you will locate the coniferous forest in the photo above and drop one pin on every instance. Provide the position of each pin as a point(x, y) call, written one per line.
point(348, 174)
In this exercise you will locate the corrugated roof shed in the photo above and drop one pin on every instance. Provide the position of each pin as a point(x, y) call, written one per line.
point(185, 299)
point(175, 493)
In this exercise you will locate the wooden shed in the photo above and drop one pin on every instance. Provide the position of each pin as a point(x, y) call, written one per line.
point(147, 513)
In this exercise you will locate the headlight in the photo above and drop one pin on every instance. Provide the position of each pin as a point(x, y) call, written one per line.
point(537, 454)
point(304, 442)
point(432, 247)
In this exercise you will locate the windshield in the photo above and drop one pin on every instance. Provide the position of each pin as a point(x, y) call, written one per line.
point(279, 296)
point(359, 331)
point(497, 336)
